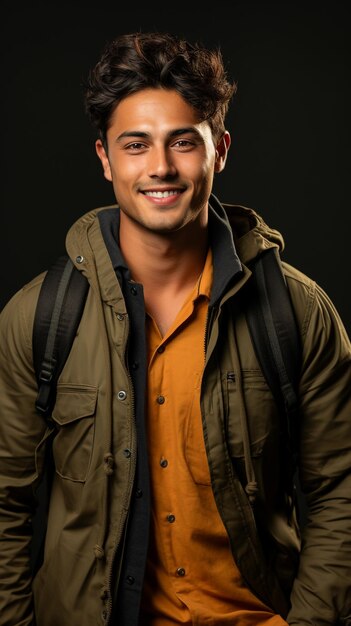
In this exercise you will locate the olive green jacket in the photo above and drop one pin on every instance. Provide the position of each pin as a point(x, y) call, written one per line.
point(306, 579)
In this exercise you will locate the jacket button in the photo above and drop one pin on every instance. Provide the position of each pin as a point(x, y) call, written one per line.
point(120, 317)
point(180, 571)
point(122, 395)
point(79, 258)
point(127, 453)
point(104, 615)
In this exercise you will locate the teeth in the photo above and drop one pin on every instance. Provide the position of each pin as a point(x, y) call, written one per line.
point(161, 194)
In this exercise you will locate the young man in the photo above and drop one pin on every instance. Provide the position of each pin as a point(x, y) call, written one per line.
point(171, 501)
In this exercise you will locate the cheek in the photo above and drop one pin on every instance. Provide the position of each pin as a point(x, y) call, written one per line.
point(125, 171)
point(205, 175)
point(198, 171)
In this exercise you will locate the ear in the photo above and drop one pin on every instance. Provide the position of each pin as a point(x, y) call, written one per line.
point(222, 151)
point(101, 152)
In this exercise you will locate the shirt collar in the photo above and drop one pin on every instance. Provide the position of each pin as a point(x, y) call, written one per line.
point(204, 284)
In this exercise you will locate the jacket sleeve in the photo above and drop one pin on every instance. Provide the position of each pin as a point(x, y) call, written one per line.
point(22, 437)
point(321, 593)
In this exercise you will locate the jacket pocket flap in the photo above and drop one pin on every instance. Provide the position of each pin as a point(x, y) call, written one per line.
point(74, 402)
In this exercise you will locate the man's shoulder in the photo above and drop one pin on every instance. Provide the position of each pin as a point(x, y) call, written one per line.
point(29, 292)
point(21, 306)
point(302, 289)
point(16, 324)
point(295, 276)
point(313, 306)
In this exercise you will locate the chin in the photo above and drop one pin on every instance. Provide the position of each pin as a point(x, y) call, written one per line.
point(165, 227)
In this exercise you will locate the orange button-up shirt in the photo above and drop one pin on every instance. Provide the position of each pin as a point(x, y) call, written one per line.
point(191, 577)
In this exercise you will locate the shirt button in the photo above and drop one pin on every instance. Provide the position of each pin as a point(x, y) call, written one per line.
point(138, 493)
point(133, 291)
point(130, 580)
point(160, 349)
point(180, 571)
point(135, 365)
point(161, 400)
point(170, 518)
point(163, 462)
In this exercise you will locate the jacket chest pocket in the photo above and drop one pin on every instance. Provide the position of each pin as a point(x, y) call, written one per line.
point(252, 407)
point(74, 417)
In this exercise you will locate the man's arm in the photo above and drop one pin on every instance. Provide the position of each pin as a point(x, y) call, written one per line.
point(22, 436)
point(321, 594)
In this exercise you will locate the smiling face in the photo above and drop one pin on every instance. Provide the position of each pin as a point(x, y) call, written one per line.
point(161, 160)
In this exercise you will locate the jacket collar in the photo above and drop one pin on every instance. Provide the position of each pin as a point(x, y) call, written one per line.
point(109, 220)
point(227, 267)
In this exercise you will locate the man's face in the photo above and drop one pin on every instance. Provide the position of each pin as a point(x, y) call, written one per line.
point(161, 160)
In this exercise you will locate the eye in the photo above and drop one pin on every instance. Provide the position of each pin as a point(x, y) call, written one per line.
point(183, 144)
point(136, 146)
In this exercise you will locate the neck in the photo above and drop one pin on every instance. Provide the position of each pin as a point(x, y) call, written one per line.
point(166, 264)
point(164, 260)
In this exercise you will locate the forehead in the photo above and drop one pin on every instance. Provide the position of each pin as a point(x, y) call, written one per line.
point(151, 109)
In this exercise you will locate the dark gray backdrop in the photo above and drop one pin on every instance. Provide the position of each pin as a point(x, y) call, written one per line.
point(290, 124)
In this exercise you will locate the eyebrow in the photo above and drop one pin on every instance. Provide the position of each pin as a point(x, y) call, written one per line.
point(173, 133)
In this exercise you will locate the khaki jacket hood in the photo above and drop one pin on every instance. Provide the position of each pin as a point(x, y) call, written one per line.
point(251, 233)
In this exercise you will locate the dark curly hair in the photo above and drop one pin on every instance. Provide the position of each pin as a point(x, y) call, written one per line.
point(137, 61)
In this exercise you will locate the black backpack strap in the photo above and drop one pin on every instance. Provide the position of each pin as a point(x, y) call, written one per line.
point(275, 336)
point(59, 309)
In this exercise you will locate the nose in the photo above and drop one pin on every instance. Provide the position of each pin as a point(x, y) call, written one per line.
point(160, 163)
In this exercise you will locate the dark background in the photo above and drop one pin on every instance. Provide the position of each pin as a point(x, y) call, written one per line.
point(290, 123)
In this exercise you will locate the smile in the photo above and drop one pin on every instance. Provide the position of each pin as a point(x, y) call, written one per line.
point(162, 194)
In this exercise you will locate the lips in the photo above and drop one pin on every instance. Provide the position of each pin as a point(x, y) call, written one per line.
point(163, 197)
